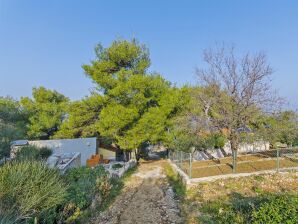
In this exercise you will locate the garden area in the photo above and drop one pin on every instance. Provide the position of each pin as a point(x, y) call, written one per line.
point(246, 163)
point(268, 198)
point(31, 192)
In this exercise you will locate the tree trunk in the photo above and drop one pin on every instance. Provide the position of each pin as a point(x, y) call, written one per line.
point(223, 152)
point(234, 153)
point(137, 155)
point(234, 148)
point(208, 154)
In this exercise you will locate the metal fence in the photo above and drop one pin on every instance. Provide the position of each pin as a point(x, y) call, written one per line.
point(183, 160)
point(246, 163)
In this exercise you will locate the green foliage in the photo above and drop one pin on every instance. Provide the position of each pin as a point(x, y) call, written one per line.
point(12, 124)
point(46, 112)
point(83, 118)
point(117, 166)
point(281, 127)
point(104, 186)
point(116, 63)
point(82, 184)
point(277, 209)
point(28, 188)
point(33, 153)
point(89, 189)
point(175, 181)
point(220, 212)
point(266, 208)
point(190, 126)
point(131, 107)
point(135, 106)
point(184, 131)
point(219, 140)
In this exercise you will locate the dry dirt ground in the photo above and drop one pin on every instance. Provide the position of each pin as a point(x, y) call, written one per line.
point(147, 198)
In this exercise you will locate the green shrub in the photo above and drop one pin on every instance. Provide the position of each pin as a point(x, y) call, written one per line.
point(33, 153)
point(266, 208)
point(103, 186)
point(117, 166)
point(82, 184)
point(28, 189)
point(220, 212)
point(86, 185)
point(278, 209)
point(176, 181)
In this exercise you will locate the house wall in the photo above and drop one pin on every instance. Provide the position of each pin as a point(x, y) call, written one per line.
point(85, 146)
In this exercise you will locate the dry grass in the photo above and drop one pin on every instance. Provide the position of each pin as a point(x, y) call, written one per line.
point(246, 164)
point(223, 190)
point(248, 186)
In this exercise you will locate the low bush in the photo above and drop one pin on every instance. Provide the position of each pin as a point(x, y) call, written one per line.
point(117, 166)
point(33, 153)
point(83, 184)
point(176, 181)
point(277, 209)
point(27, 189)
point(266, 208)
point(88, 188)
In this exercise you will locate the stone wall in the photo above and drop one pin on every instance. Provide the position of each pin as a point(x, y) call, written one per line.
point(259, 146)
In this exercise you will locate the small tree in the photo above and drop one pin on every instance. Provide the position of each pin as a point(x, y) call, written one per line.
point(135, 105)
point(236, 91)
point(190, 128)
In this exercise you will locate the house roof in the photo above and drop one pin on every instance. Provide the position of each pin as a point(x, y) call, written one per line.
point(19, 142)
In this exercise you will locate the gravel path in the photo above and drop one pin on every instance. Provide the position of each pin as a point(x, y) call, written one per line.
point(146, 198)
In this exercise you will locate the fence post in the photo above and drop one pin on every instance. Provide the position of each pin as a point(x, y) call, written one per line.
point(234, 153)
point(190, 165)
point(277, 159)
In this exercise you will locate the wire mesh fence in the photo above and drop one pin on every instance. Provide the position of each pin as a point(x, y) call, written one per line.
point(246, 163)
point(183, 160)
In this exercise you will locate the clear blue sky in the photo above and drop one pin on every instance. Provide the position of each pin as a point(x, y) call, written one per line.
point(46, 42)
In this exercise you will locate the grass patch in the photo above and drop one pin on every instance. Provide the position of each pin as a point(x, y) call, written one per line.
point(246, 164)
point(262, 198)
point(117, 186)
point(175, 181)
point(266, 208)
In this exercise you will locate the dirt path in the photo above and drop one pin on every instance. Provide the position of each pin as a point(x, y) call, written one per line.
point(146, 198)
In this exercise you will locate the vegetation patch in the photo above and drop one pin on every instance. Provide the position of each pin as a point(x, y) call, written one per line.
point(89, 190)
point(117, 166)
point(32, 191)
point(29, 188)
point(253, 199)
point(175, 181)
point(33, 153)
point(267, 208)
